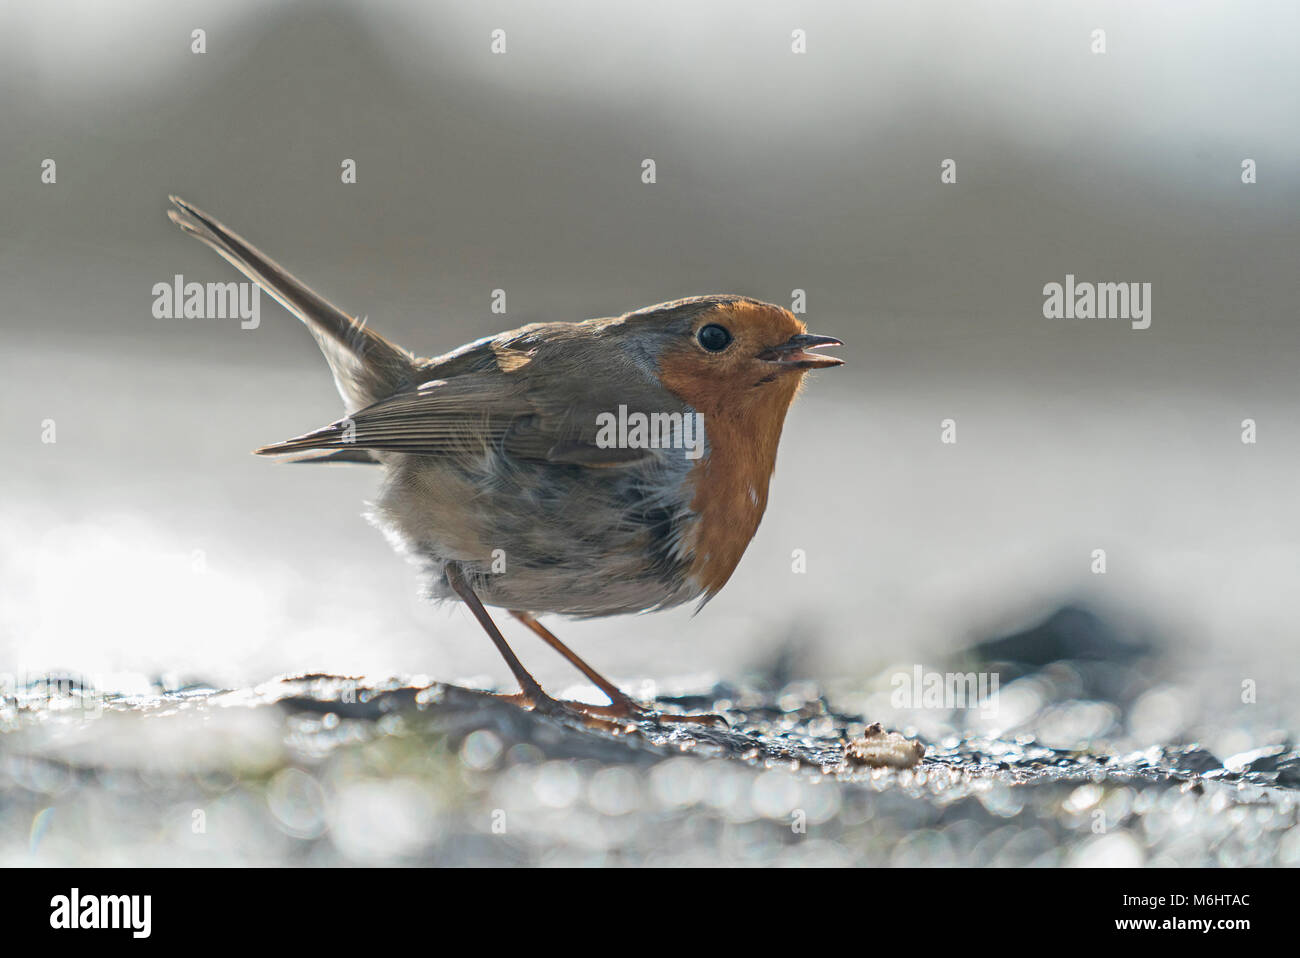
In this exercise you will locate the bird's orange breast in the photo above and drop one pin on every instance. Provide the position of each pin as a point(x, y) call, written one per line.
point(729, 497)
point(743, 418)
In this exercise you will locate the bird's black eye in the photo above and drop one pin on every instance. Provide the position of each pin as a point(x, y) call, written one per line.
point(714, 338)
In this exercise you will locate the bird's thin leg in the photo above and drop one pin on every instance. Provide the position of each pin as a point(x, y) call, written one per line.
point(616, 696)
point(532, 690)
point(620, 704)
point(610, 719)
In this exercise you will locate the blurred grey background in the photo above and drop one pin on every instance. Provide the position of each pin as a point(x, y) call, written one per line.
point(146, 541)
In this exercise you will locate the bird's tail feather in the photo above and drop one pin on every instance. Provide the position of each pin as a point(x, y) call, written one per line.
point(366, 366)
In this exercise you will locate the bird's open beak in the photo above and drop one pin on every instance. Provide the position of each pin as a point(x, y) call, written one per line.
point(792, 354)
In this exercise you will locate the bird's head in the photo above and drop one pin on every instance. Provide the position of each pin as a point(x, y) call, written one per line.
point(731, 357)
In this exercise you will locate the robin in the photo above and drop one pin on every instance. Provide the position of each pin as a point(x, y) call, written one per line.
point(586, 468)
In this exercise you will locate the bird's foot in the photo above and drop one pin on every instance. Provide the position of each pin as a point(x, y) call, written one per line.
point(590, 716)
point(627, 708)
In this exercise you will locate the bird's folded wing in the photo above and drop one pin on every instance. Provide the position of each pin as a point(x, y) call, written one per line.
point(469, 414)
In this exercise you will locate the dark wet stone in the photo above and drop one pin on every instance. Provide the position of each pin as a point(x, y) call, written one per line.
point(1070, 633)
point(1267, 763)
point(1288, 776)
point(1195, 760)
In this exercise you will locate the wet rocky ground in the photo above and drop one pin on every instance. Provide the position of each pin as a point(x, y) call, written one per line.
point(325, 770)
